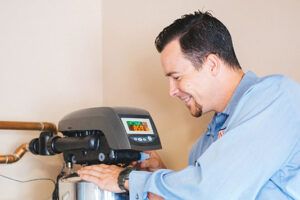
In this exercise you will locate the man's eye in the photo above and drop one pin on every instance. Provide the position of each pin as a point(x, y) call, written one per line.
point(176, 77)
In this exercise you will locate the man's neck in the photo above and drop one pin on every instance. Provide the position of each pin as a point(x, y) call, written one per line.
point(230, 82)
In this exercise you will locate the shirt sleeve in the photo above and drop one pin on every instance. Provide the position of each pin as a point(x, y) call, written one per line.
point(260, 137)
point(166, 183)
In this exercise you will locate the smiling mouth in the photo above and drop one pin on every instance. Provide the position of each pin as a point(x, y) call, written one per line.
point(186, 100)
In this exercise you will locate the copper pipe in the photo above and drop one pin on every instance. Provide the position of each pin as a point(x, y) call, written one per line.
point(21, 150)
point(38, 126)
point(18, 154)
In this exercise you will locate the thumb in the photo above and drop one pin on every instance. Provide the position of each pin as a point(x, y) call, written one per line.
point(145, 164)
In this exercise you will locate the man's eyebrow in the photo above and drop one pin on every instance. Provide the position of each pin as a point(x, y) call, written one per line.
point(170, 73)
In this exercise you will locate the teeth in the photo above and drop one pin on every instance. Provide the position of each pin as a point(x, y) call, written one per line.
point(186, 99)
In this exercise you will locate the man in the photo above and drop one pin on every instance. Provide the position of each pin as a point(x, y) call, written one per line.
point(251, 149)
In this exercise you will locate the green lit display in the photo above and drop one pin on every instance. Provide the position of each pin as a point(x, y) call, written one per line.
point(137, 126)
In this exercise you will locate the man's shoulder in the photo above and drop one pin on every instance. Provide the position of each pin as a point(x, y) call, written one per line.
point(270, 81)
point(270, 94)
point(272, 85)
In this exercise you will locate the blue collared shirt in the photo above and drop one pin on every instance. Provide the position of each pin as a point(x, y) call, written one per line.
point(220, 120)
point(257, 157)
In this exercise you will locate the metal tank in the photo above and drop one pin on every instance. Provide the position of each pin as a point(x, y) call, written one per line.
point(74, 188)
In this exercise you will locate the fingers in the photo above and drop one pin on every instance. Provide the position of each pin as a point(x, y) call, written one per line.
point(152, 196)
point(91, 178)
point(134, 163)
point(88, 172)
point(105, 176)
point(152, 153)
point(98, 171)
point(100, 167)
point(153, 163)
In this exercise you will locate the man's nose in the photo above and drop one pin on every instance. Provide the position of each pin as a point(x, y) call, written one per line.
point(173, 90)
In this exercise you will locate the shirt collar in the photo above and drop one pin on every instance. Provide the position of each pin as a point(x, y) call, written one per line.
point(247, 81)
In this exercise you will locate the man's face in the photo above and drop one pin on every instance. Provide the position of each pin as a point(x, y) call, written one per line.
point(190, 85)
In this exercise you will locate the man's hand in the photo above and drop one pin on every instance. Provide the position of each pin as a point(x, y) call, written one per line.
point(105, 176)
point(153, 163)
point(152, 196)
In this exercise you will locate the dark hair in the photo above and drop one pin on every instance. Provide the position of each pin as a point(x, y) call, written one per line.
point(199, 34)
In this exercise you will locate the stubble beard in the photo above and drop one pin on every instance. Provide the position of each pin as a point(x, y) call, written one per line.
point(196, 110)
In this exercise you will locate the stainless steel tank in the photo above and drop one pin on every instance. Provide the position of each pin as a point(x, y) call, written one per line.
point(74, 188)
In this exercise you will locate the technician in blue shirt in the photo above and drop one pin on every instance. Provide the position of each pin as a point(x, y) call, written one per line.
point(251, 149)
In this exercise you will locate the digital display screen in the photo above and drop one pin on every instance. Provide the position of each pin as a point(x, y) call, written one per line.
point(137, 125)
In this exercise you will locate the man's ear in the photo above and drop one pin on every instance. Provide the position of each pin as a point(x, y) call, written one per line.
point(213, 63)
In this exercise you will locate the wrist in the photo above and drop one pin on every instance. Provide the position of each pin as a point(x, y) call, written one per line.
point(126, 185)
point(123, 178)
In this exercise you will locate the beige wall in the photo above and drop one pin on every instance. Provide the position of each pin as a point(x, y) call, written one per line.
point(266, 38)
point(50, 65)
